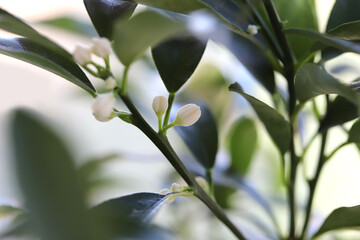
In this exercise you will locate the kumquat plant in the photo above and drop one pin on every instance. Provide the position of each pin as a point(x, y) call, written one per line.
point(253, 100)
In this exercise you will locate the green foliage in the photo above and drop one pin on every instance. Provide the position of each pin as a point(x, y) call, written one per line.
point(343, 11)
point(172, 5)
point(354, 133)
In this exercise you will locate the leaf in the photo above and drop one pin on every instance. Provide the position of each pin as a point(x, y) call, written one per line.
point(303, 17)
point(326, 40)
point(341, 218)
point(354, 133)
point(202, 138)
point(10, 23)
point(339, 111)
point(312, 80)
point(133, 37)
point(343, 11)
point(29, 51)
point(6, 210)
point(177, 59)
point(105, 13)
point(347, 31)
point(243, 141)
point(185, 6)
point(275, 123)
point(71, 24)
point(46, 175)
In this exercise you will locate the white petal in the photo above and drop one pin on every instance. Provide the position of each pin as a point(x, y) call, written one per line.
point(103, 107)
point(187, 115)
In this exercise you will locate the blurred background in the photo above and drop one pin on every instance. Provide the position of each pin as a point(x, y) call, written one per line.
point(134, 164)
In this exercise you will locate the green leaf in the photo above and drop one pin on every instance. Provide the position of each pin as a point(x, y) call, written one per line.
point(347, 31)
point(326, 40)
point(354, 133)
point(343, 11)
point(341, 218)
point(29, 51)
point(202, 138)
point(71, 24)
point(132, 38)
point(105, 13)
point(275, 123)
point(177, 59)
point(6, 210)
point(185, 6)
point(339, 111)
point(312, 80)
point(298, 14)
point(223, 195)
point(46, 174)
point(243, 141)
point(10, 23)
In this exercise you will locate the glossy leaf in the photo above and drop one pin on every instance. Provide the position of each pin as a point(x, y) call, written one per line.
point(46, 174)
point(312, 80)
point(243, 141)
point(132, 38)
point(347, 31)
point(276, 125)
point(177, 59)
point(354, 133)
point(341, 218)
point(71, 24)
point(10, 23)
point(339, 111)
point(202, 138)
point(29, 51)
point(343, 11)
point(326, 40)
point(105, 13)
point(185, 6)
point(298, 14)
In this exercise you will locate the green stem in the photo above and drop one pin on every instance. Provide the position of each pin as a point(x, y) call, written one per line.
point(336, 149)
point(312, 184)
point(162, 143)
point(171, 99)
point(159, 124)
point(210, 180)
point(90, 71)
point(123, 89)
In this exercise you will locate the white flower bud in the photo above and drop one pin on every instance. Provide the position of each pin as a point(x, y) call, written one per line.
point(252, 29)
point(187, 115)
point(82, 55)
point(103, 107)
point(175, 187)
point(110, 83)
point(159, 105)
point(101, 47)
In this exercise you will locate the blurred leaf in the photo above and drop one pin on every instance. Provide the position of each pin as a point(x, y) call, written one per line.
point(6, 210)
point(326, 40)
point(341, 218)
point(184, 6)
point(223, 194)
point(339, 111)
point(47, 178)
point(10, 23)
point(343, 11)
point(354, 133)
point(275, 123)
point(202, 138)
point(71, 24)
point(302, 16)
point(29, 51)
point(312, 80)
point(105, 13)
point(243, 141)
point(177, 59)
point(146, 29)
point(347, 31)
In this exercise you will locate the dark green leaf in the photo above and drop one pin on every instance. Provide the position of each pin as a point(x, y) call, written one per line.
point(202, 138)
point(12, 24)
point(312, 80)
point(47, 178)
point(341, 218)
point(275, 123)
point(133, 37)
point(347, 31)
point(354, 133)
point(326, 40)
point(6, 210)
point(71, 24)
point(177, 59)
point(184, 6)
point(105, 13)
point(302, 16)
point(223, 194)
point(243, 141)
point(339, 111)
point(343, 11)
point(34, 53)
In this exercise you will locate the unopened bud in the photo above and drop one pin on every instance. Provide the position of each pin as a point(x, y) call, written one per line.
point(103, 107)
point(159, 105)
point(252, 29)
point(110, 83)
point(175, 187)
point(82, 55)
point(187, 115)
point(101, 47)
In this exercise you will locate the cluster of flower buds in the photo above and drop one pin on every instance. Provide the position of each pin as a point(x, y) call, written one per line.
point(177, 190)
point(252, 29)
